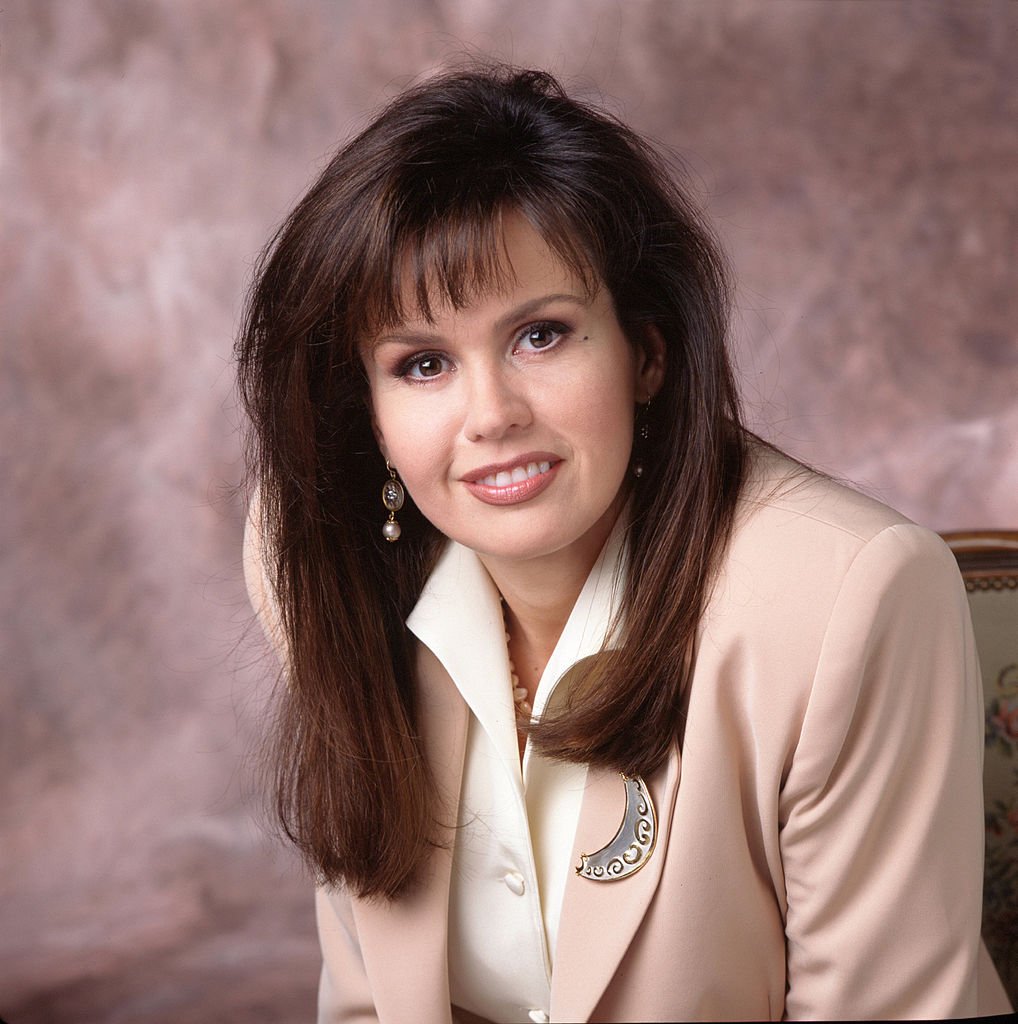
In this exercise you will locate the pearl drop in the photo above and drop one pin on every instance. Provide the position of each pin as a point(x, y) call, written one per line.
point(391, 531)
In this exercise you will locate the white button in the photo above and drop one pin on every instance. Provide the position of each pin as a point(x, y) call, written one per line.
point(538, 1016)
point(514, 882)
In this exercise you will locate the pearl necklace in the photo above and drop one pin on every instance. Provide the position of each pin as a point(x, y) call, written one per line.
point(524, 710)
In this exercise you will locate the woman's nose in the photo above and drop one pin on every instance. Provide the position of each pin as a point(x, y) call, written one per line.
point(496, 405)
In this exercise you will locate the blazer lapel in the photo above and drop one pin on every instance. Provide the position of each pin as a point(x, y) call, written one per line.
point(599, 919)
point(404, 942)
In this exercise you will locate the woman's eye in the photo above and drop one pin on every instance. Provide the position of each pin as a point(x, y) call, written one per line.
point(540, 336)
point(423, 367)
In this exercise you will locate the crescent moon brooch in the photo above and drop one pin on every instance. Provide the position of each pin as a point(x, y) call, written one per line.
point(634, 842)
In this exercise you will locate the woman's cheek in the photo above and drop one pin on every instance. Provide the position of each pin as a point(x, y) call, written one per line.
point(418, 454)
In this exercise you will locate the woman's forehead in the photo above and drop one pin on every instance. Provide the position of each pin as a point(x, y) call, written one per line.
point(505, 266)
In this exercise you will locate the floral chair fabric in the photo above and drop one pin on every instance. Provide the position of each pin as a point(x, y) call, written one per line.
point(989, 564)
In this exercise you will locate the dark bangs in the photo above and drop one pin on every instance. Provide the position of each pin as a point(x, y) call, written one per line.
point(453, 259)
point(420, 197)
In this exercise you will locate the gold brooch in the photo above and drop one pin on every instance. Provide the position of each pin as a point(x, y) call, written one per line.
point(634, 842)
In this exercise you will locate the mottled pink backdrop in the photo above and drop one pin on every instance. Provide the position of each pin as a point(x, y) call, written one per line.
point(859, 159)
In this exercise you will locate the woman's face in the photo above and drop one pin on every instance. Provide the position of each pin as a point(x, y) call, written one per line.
point(510, 421)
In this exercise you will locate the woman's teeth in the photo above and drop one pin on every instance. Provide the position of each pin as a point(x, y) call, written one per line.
point(516, 475)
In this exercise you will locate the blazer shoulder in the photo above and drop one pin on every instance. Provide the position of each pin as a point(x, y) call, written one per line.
point(796, 538)
point(780, 491)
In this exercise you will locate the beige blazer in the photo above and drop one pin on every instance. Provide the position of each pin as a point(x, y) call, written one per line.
point(820, 832)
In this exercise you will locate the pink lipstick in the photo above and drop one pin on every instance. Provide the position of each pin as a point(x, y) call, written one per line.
point(510, 483)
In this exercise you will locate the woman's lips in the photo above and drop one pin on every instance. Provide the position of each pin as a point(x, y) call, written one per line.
point(512, 483)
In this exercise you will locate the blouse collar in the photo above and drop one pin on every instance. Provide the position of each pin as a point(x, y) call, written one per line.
point(459, 618)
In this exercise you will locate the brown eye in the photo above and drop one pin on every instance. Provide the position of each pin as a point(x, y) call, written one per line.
point(424, 366)
point(541, 336)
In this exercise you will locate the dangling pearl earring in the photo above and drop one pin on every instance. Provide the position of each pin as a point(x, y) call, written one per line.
point(642, 432)
point(393, 497)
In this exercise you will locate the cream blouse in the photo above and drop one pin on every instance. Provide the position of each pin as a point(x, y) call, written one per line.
point(516, 826)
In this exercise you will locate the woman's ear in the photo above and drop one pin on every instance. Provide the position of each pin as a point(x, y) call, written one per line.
point(650, 363)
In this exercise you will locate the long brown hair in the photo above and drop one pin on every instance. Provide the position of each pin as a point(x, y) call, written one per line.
point(425, 187)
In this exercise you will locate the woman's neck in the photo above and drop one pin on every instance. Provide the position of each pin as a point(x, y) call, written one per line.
point(534, 619)
point(539, 595)
point(534, 623)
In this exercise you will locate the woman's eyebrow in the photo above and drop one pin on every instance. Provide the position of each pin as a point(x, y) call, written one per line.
point(531, 306)
point(407, 335)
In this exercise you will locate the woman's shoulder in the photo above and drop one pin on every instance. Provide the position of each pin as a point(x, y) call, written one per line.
point(814, 575)
point(798, 533)
point(780, 491)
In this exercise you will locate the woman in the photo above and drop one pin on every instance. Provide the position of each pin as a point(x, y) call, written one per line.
point(586, 596)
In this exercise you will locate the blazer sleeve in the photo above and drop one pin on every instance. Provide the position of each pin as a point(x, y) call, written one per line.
point(881, 810)
point(344, 995)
